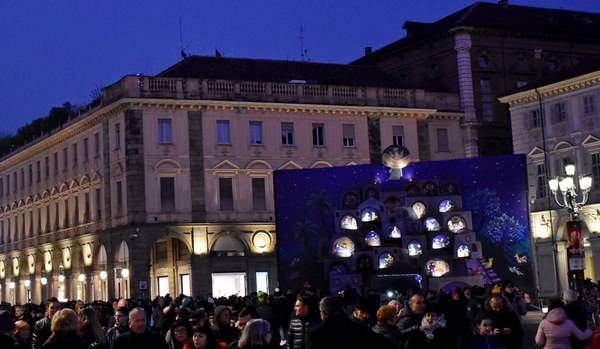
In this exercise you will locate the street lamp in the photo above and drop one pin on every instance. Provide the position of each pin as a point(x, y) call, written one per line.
point(573, 196)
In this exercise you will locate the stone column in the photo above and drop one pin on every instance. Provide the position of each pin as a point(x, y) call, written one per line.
point(595, 246)
point(546, 262)
point(462, 45)
point(563, 280)
point(201, 276)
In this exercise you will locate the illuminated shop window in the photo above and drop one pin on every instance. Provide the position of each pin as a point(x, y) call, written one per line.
point(419, 209)
point(415, 249)
point(440, 241)
point(456, 224)
point(432, 224)
point(343, 247)
point(373, 239)
point(369, 214)
point(386, 260)
point(446, 206)
point(463, 251)
point(393, 232)
point(349, 223)
point(437, 267)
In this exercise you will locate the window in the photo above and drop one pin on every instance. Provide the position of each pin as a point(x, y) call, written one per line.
point(98, 205)
point(8, 185)
point(47, 225)
point(38, 171)
point(596, 170)
point(167, 194)
point(223, 132)
point(185, 284)
point(22, 178)
point(256, 132)
point(96, 144)
point(39, 221)
point(487, 100)
point(86, 150)
point(442, 140)
point(161, 253)
point(55, 163)
point(588, 105)
point(226, 194)
point(483, 61)
point(318, 135)
point(56, 217)
point(76, 218)
point(164, 131)
point(287, 133)
point(398, 135)
point(1, 187)
point(541, 181)
point(348, 135)
point(258, 194)
point(30, 228)
point(46, 167)
point(30, 175)
point(65, 159)
point(66, 217)
point(535, 120)
point(117, 136)
point(86, 208)
point(119, 198)
point(521, 83)
point(560, 113)
point(75, 157)
point(15, 182)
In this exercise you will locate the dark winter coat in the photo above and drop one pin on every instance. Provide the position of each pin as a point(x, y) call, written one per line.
point(389, 332)
point(41, 332)
point(337, 331)
point(145, 340)
point(508, 319)
point(64, 340)
point(299, 329)
point(224, 333)
point(410, 331)
point(483, 342)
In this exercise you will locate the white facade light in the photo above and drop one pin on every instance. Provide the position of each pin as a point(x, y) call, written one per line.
point(81, 278)
point(12, 285)
point(44, 280)
point(125, 272)
point(27, 283)
point(61, 278)
point(553, 184)
point(570, 170)
point(585, 183)
point(103, 275)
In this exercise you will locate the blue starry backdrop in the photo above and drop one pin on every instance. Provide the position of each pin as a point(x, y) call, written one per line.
point(494, 189)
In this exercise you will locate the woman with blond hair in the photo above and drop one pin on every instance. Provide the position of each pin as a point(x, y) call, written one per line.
point(90, 329)
point(256, 335)
point(65, 328)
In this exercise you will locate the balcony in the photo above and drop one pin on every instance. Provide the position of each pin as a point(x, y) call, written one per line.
point(194, 89)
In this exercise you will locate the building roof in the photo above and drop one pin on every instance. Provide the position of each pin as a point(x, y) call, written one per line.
point(497, 16)
point(265, 70)
point(583, 68)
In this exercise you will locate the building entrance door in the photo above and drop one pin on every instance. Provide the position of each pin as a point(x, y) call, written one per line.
point(227, 284)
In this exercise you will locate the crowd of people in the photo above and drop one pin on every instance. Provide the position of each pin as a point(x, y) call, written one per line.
point(470, 317)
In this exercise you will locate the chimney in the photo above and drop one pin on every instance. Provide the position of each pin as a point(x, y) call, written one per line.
point(368, 50)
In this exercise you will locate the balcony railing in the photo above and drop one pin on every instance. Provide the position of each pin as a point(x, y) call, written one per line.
point(179, 88)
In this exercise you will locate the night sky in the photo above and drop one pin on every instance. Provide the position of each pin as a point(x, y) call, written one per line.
point(58, 51)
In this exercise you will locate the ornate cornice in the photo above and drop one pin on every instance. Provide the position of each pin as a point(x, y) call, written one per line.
point(555, 89)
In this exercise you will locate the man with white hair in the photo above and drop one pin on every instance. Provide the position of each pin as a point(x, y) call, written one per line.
point(139, 336)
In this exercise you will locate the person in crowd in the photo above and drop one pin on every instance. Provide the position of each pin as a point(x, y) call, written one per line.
point(180, 334)
point(65, 327)
point(507, 326)
point(476, 304)
point(22, 314)
point(91, 331)
point(411, 331)
point(387, 318)
point(434, 327)
point(246, 314)
point(138, 337)
point(256, 335)
point(202, 338)
point(456, 316)
point(222, 328)
point(198, 318)
point(555, 331)
point(575, 310)
point(7, 328)
point(484, 334)
point(360, 314)
point(515, 299)
point(303, 321)
point(337, 331)
point(42, 328)
point(23, 334)
point(120, 327)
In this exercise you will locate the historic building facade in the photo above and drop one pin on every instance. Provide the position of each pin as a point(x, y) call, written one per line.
point(167, 187)
point(555, 124)
point(486, 51)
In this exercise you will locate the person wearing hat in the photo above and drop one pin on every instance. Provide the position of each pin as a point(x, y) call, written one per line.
point(7, 327)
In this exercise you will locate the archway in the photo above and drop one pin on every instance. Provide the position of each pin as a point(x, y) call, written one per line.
point(170, 267)
point(122, 271)
point(101, 273)
point(234, 279)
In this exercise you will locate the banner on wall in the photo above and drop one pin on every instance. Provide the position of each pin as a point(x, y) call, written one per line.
point(575, 249)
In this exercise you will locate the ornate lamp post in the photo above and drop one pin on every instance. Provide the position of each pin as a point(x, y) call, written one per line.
point(572, 197)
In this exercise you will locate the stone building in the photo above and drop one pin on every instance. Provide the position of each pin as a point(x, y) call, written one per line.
point(486, 51)
point(557, 122)
point(166, 186)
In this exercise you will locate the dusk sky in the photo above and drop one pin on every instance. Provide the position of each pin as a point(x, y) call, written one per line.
point(58, 51)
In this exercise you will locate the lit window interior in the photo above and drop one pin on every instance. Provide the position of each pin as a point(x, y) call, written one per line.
point(393, 232)
point(372, 239)
point(440, 241)
point(432, 224)
point(386, 260)
point(463, 251)
point(446, 206)
point(419, 209)
point(349, 223)
point(415, 249)
point(343, 247)
point(456, 224)
point(369, 215)
point(437, 267)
